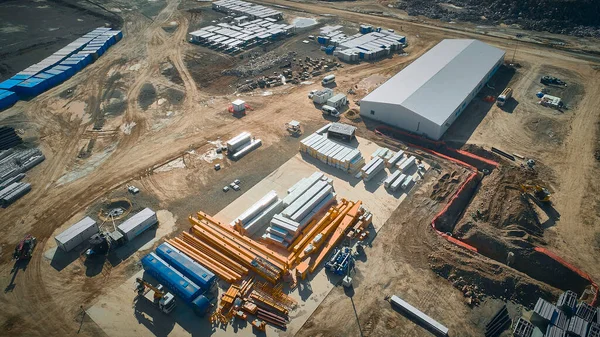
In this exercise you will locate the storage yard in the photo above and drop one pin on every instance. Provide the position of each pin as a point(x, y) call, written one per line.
point(184, 184)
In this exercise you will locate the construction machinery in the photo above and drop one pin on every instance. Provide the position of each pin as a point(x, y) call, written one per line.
point(540, 193)
point(504, 96)
point(165, 301)
point(547, 80)
point(293, 127)
point(24, 248)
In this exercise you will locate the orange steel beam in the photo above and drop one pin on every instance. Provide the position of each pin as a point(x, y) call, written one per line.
point(223, 272)
point(325, 220)
point(269, 254)
point(327, 231)
point(195, 242)
point(349, 218)
point(232, 248)
point(239, 241)
point(227, 276)
point(219, 267)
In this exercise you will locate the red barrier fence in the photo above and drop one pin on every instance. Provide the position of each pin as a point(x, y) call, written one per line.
point(572, 268)
point(460, 190)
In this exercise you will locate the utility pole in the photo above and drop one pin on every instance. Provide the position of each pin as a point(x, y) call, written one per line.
point(514, 52)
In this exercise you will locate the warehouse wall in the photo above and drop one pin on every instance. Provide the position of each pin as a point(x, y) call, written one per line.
point(400, 117)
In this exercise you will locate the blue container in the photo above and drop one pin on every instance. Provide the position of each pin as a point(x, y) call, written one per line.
point(7, 98)
point(201, 305)
point(59, 75)
point(50, 80)
point(31, 87)
point(92, 56)
point(10, 84)
point(72, 63)
point(68, 70)
point(173, 280)
point(188, 267)
point(20, 76)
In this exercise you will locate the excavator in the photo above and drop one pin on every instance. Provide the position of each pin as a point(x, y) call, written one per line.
point(540, 193)
point(165, 301)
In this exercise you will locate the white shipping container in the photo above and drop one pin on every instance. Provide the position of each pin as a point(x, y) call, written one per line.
point(138, 223)
point(76, 234)
point(236, 142)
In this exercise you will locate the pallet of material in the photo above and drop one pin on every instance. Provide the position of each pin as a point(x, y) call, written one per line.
point(260, 221)
point(407, 182)
point(398, 182)
point(407, 164)
point(303, 199)
point(374, 169)
point(393, 160)
point(256, 208)
point(253, 145)
point(312, 203)
point(238, 141)
point(301, 187)
point(390, 179)
point(276, 239)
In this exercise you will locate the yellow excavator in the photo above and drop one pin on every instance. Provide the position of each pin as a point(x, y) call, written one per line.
point(540, 193)
point(165, 301)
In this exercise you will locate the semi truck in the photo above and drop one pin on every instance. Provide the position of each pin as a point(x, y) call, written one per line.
point(504, 96)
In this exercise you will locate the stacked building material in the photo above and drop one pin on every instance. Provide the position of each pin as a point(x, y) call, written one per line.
point(391, 178)
point(394, 159)
point(567, 302)
point(372, 168)
point(523, 328)
point(397, 182)
point(543, 313)
point(343, 157)
point(405, 165)
point(422, 318)
point(12, 192)
point(307, 198)
point(594, 330)
point(243, 250)
point(61, 65)
point(257, 216)
point(406, 183)
point(242, 144)
point(235, 37)
point(8, 138)
point(554, 331)
point(577, 327)
point(367, 45)
point(238, 7)
point(586, 311)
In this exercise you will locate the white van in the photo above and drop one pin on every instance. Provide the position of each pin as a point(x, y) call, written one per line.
point(328, 79)
point(329, 110)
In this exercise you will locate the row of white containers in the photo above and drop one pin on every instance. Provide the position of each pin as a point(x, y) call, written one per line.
point(85, 228)
point(345, 158)
point(304, 201)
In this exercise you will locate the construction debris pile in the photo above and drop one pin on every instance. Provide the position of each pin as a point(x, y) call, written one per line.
point(369, 44)
point(241, 145)
point(341, 156)
point(13, 165)
point(565, 318)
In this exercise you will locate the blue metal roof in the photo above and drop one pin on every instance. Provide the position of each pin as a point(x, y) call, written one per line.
point(173, 280)
point(188, 267)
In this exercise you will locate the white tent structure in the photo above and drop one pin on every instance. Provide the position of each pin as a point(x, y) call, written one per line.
point(427, 96)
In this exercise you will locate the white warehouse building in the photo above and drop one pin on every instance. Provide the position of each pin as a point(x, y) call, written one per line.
point(427, 96)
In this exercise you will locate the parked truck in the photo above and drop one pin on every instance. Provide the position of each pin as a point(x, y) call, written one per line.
point(504, 96)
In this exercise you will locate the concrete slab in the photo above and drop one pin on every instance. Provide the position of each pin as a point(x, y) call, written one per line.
point(117, 314)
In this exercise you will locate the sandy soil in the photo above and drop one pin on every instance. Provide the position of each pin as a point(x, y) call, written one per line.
point(130, 142)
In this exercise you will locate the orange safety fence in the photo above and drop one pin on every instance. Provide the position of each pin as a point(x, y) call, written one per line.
point(572, 268)
point(461, 188)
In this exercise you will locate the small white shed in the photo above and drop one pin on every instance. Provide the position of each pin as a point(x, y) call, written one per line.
point(238, 105)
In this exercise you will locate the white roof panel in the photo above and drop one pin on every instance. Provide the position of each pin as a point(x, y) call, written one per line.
point(435, 84)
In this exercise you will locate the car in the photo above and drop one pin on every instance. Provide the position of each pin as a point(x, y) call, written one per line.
point(237, 181)
point(226, 188)
point(133, 190)
point(235, 187)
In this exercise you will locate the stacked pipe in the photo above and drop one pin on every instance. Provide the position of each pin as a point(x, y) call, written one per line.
point(241, 145)
point(9, 138)
point(12, 192)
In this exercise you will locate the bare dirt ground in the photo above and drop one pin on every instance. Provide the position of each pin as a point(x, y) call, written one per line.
point(109, 103)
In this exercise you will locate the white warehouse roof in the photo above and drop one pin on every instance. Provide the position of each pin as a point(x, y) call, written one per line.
point(436, 83)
